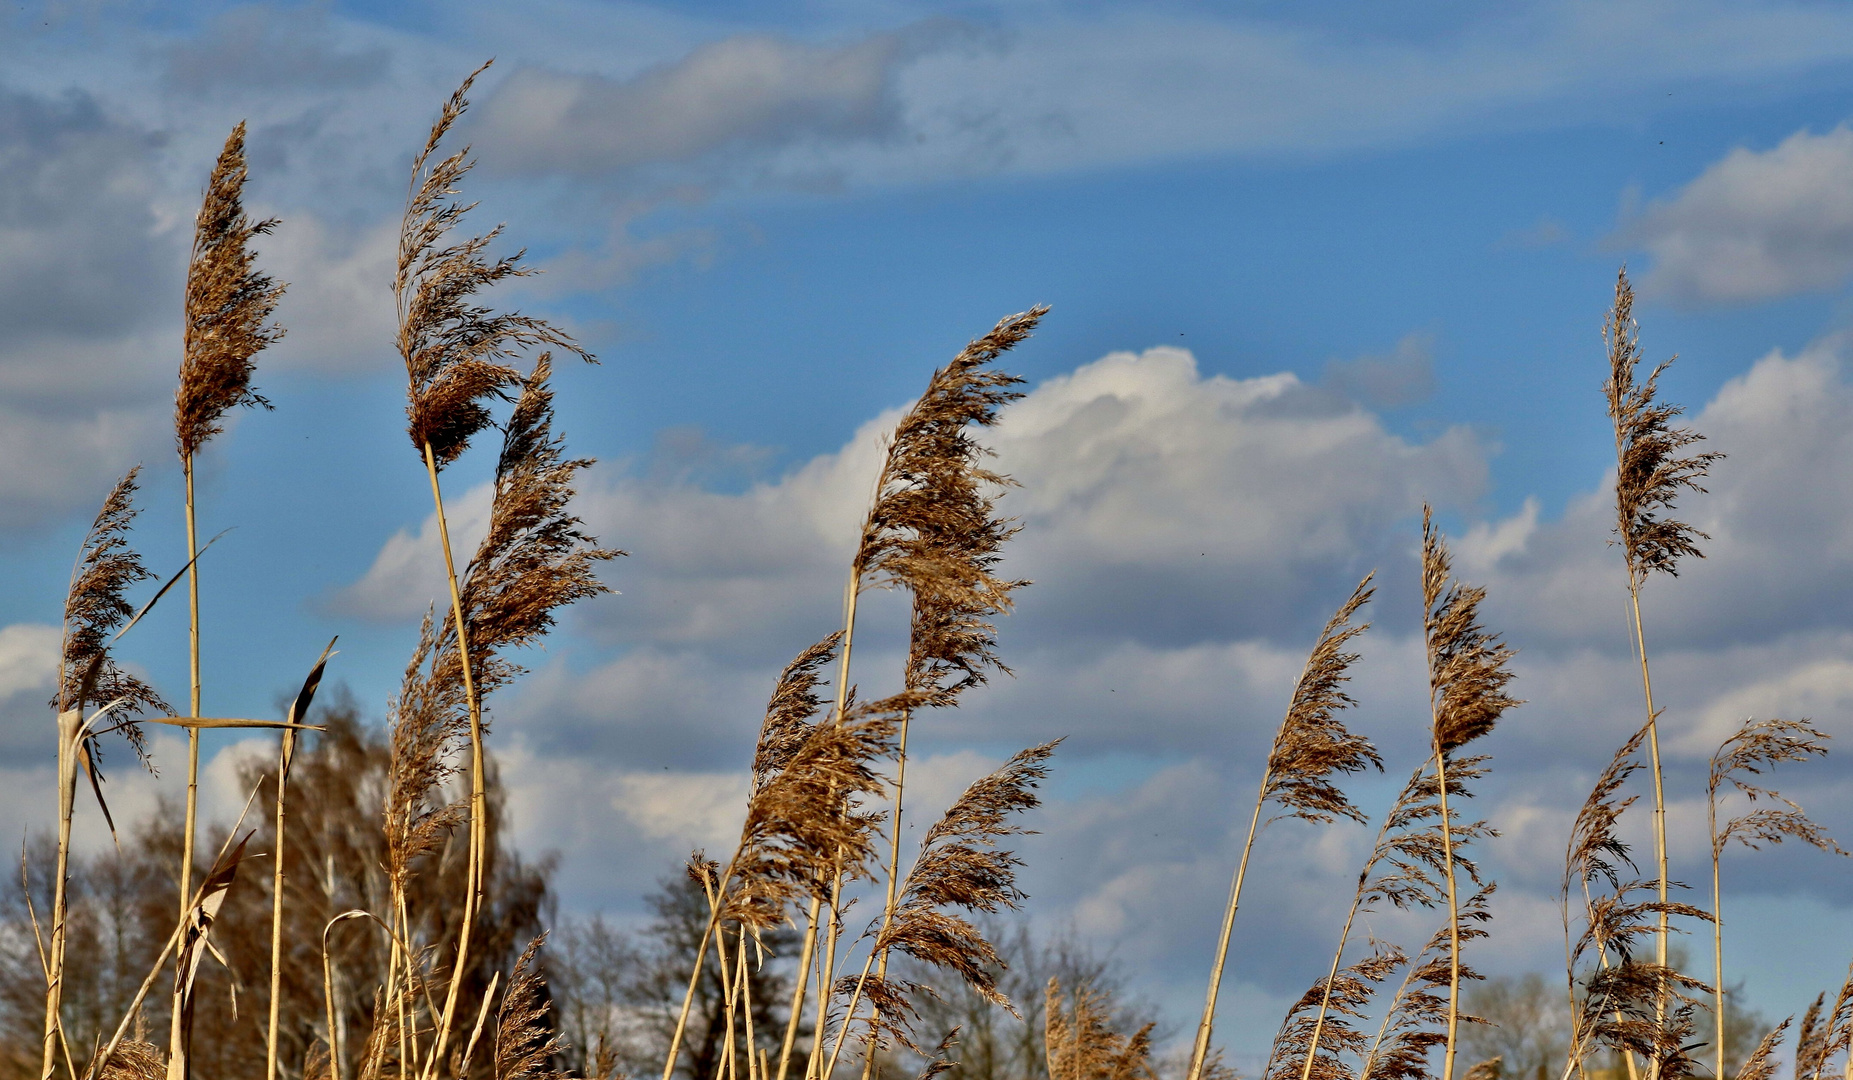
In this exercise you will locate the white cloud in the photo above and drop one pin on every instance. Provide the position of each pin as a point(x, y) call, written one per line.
point(407, 576)
point(1755, 225)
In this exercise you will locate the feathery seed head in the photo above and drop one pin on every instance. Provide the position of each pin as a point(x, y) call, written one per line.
point(227, 304)
point(456, 350)
point(1312, 743)
point(1467, 665)
point(95, 607)
point(1649, 471)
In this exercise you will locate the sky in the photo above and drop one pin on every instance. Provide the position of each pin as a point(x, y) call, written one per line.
point(1310, 267)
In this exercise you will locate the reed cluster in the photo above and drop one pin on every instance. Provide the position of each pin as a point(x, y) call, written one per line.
point(391, 949)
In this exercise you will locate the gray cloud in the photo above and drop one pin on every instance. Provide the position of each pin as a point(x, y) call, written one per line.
point(1755, 225)
point(261, 47)
point(750, 91)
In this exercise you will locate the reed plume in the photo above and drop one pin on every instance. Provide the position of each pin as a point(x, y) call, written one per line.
point(1311, 746)
point(959, 867)
point(930, 529)
point(525, 1042)
point(1317, 1030)
point(1650, 474)
point(1467, 677)
point(1754, 747)
point(1080, 1044)
point(1595, 852)
point(1623, 1004)
point(1420, 1016)
point(456, 353)
point(534, 558)
point(1822, 1035)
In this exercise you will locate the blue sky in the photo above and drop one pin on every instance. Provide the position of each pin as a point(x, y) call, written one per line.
point(1308, 268)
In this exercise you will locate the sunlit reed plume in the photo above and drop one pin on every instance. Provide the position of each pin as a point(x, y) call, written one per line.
point(1754, 747)
point(1594, 855)
point(1317, 1032)
point(1423, 1013)
point(1650, 474)
point(534, 558)
point(1310, 747)
point(1467, 677)
point(959, 867)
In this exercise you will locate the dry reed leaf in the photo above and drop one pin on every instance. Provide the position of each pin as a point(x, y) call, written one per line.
point(1490, 1069)
point(195, 943)
point(1650, 473)
point(228, 301)
point(455, 349)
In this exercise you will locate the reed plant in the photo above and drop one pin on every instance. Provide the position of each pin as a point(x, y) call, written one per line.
point(384, 951)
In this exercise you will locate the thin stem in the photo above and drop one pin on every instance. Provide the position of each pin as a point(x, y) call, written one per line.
point(855, 999)
point(68, 724)
point(478, 803)
point(746, 1007)
point(176, 1050)
point(826, 976)
point(1653, 745)
point(276, 908)
point(1717, 920)
point(1199, 1052)
point(894, 874)
point(796, 1016)
point(1454, 915)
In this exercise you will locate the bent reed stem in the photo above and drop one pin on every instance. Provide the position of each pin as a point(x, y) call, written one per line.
point(1199, 1052)
point(473, 871)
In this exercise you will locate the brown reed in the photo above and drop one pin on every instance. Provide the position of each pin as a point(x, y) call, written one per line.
point(1650, 474)
point(1420, 1018)
point(1310, 747)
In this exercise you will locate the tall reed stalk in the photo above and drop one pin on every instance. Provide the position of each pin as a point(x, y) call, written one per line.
point(1310, 746)
point(95, 614)
point(1648, 478)
point(228, 303)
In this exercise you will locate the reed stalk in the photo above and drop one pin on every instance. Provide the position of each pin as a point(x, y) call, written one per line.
point(1649, 476)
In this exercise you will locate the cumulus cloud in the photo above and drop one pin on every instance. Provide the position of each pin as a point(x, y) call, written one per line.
point(1755, 225)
